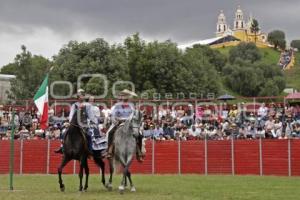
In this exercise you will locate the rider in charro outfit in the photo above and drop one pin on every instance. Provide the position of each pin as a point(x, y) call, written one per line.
point(120, 112)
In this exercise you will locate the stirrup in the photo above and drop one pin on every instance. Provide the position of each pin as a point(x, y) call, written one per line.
point(140, 159)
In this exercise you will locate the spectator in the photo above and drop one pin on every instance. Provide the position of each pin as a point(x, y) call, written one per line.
point(242, 133)
point(262, 112)
point(1, 113)
point(252, 130)
point(158, 132)
point(194, 133)
point(24, 133)
point(269, 127)
point(261, 133)
point(224, 112)
point(277, 127)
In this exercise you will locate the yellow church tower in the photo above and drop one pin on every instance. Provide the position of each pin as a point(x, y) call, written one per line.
point(239, 30)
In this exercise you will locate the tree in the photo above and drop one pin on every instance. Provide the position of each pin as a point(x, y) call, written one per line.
point(245, 51)
point(30, 71)
point(253, 79)
point(200, 75)
point(277, 38)
point(217, 59)
point(10, 68)
point(95, 57)
point(243, 78)
point(296, 44)
point(134, 47)
point(269, 89)
point(255, 28)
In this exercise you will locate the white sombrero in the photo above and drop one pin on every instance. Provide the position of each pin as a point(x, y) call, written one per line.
point(127, 93)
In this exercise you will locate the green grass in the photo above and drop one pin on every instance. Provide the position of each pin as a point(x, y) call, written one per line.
point(225, 50)
point(293, 75)
point(44, 187)
point(269, 55)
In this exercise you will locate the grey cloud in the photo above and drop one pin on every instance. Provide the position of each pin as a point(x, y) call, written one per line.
point(178, 20)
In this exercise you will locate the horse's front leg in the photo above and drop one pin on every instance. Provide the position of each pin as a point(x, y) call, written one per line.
point(132, 188)
point(102, 167)
point(99, 161)
point(87, 173)
point(111, 171)
point(122, 186)
point(59, 170)
point(80, 176)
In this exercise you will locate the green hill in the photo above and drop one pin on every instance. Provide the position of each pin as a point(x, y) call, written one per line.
point(293, 75)
point(269, 55)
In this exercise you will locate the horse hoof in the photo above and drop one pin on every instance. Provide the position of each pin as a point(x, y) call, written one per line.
point(121, 189)
point(132, 189)
point(109, 187)
point(80, 189)
point(62, 188)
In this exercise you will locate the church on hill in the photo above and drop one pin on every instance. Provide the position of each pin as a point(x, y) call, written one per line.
point(241, 28)
point(227, 36)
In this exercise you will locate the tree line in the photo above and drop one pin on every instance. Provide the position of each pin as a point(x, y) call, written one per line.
point(153, 67)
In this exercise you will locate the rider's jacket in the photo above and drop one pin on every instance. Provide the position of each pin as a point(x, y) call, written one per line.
point(121, 111)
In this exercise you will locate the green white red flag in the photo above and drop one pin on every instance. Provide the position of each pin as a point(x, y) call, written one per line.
point(41, 102)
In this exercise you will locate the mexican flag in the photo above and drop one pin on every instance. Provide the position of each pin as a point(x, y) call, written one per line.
point(41, 102)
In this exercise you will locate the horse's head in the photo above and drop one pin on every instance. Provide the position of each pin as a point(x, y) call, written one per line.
point(80, 116)
point(136, 121)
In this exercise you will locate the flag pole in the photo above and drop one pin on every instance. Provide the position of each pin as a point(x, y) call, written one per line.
point(11, 163)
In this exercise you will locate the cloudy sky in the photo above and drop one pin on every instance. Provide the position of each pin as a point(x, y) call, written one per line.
point(43, 26)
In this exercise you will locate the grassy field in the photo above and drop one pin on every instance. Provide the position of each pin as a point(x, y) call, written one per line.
point(44, 187)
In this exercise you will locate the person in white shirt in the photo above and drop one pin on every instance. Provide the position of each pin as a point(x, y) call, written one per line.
point(120, 112)
point(92, 120)
point(158, 132)
point(277, 132)
point(194, 132)
point(269, 127)
point(262, 111)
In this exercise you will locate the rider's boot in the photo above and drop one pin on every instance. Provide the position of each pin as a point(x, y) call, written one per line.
point(59, 150)
point(139, 145)
point(110, 151)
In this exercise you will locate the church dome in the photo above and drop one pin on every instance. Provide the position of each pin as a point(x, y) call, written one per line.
point(222, 17)
point(239, 10)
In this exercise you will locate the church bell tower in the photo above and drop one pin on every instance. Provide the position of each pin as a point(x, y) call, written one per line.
point(221, 25)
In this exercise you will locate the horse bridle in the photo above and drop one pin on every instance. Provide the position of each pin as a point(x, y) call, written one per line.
point(80, 127)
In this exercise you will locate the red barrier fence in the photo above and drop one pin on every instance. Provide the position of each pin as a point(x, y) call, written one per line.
point(257, 157)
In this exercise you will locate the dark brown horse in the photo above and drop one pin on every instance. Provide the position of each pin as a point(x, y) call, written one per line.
point(76, 148)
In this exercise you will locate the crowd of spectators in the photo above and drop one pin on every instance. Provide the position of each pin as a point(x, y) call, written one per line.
point(285, 58)
point(27, 124)
point(274, 121)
